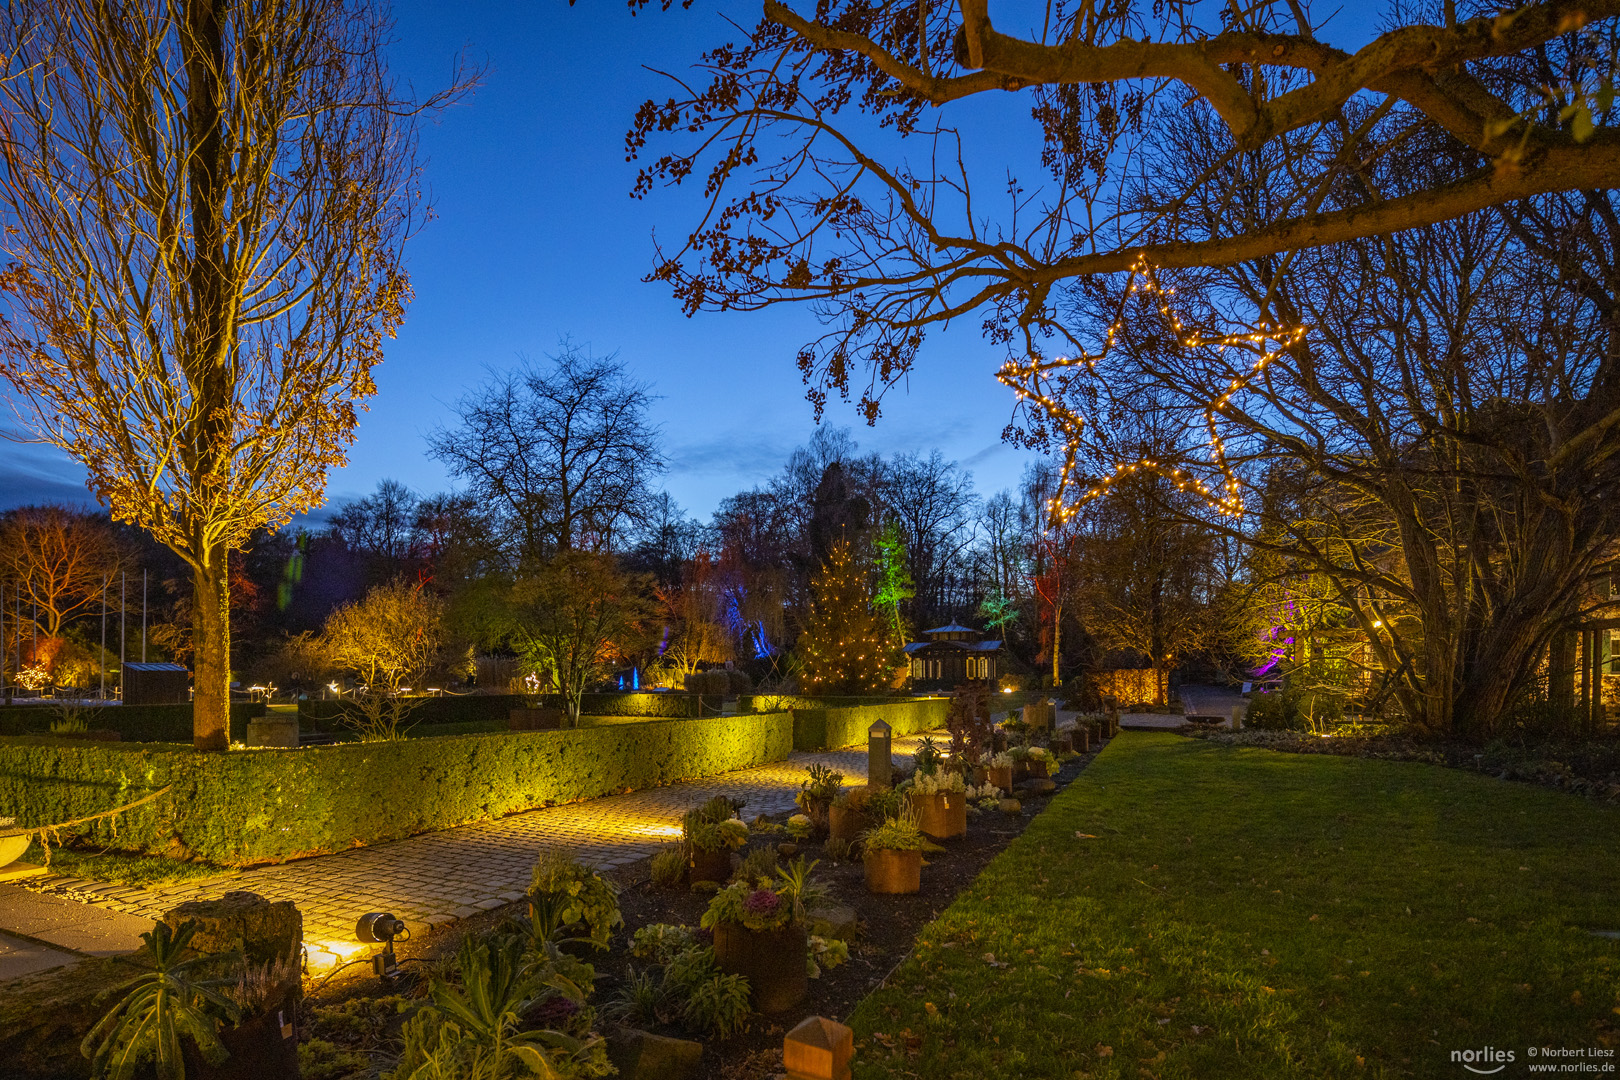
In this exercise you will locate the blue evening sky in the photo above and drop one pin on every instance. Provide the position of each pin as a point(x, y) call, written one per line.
point(536, 238)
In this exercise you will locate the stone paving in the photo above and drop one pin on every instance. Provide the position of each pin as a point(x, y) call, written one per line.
point(440, 877)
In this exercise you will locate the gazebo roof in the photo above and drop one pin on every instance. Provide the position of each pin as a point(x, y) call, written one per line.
point(953, 628)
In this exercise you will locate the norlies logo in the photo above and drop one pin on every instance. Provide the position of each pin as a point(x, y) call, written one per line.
point(1481, 1061)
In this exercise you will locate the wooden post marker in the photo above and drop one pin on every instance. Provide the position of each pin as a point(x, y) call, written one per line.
point(818, 1049)
point(879, 760)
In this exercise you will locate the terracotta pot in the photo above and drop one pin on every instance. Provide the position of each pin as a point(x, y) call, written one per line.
point(1001, 778)
point(978, 778)
point(1020, 770)
point(772, 960)
point(892, 872)
point(710, 865)
point(263, 1048)
point(941, 815)
point(1037, 770)
point(846, 823)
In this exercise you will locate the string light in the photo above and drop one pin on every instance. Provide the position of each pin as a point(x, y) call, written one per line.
point(1226, 497)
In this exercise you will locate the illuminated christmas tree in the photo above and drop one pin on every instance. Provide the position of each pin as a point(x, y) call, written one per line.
point(843, 647)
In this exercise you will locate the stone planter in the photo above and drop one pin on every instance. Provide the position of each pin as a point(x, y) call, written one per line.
point(891, 872)
point(534, 720)
point(263, 1048)
point(12, 848)
point(846, 823)
point(772, 960)
point(710, 865)
point(1001, 778)
point(941, 815)
point(279, 731)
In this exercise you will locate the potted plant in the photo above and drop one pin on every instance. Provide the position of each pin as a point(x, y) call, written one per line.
point(939, 801)
point(1040, 762)
point(264, 1041)
point(710, 833)
point(847, 815)
point(816, 794)
point(998, 771)
point(157, 1007)
point(760, 933)
point(893, 855)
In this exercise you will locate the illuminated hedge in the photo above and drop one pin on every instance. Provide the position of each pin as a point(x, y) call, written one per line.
point(833, 728)
point(260, 806)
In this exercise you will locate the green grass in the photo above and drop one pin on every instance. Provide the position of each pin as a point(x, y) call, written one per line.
point(141, 870)
point(1246, 913)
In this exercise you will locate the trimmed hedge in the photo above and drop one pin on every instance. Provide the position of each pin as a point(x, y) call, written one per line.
point(835, 728)
point(318, 715)
point(134, 723)
point(749, 703)
point(262, 806)
point(674, 706)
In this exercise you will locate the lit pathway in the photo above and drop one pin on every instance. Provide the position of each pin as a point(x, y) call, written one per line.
point(440, 877)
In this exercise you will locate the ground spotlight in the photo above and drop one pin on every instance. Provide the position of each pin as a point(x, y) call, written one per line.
point(375, 926)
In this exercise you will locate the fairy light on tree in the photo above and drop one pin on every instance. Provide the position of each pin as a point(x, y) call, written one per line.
point(1031, 380)
point(844, 647)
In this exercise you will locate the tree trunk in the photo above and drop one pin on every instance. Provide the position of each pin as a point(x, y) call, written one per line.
point(211, 643)
point(1057, 641)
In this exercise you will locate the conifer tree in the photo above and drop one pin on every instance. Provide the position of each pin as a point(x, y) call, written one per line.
point(844, 646)
point(894, 581)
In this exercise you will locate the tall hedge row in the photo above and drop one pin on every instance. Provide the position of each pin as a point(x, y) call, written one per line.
point(318, 715)
point(833, 728)
point(262, 806)
point(134, 723)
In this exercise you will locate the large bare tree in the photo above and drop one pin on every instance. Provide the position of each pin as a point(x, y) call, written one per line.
point(206, 202)
point(59, 561)
point(850, 155)
point(563, 454)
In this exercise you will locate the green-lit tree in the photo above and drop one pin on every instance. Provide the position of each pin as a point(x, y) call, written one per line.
point(844, 647)
point(894, 580)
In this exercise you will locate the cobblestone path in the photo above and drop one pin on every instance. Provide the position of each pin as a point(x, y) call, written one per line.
point(440, 877)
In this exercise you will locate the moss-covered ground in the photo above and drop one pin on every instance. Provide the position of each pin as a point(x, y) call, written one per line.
point(1192, 910)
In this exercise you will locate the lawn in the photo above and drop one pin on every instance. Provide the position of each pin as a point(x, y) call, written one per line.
point(1237, 912)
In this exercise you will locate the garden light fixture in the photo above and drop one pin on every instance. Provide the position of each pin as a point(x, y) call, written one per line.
point(375, 926)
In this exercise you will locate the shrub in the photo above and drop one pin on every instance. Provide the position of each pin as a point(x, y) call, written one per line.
point(582, 896)
point(758, 863)
point(256, 806)
point(662, 942)
point(669, 867)
point(713, 826)
point(719, 1004)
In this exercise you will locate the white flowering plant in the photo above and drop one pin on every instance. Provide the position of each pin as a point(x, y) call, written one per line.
point(1003, 760)
point(938, 782)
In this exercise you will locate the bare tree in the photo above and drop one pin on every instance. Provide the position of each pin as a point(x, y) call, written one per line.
point(58, 561)
point(831, 172)
point(207, 201)
point(381, 525)
point(934, 502)
point(564, 453)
